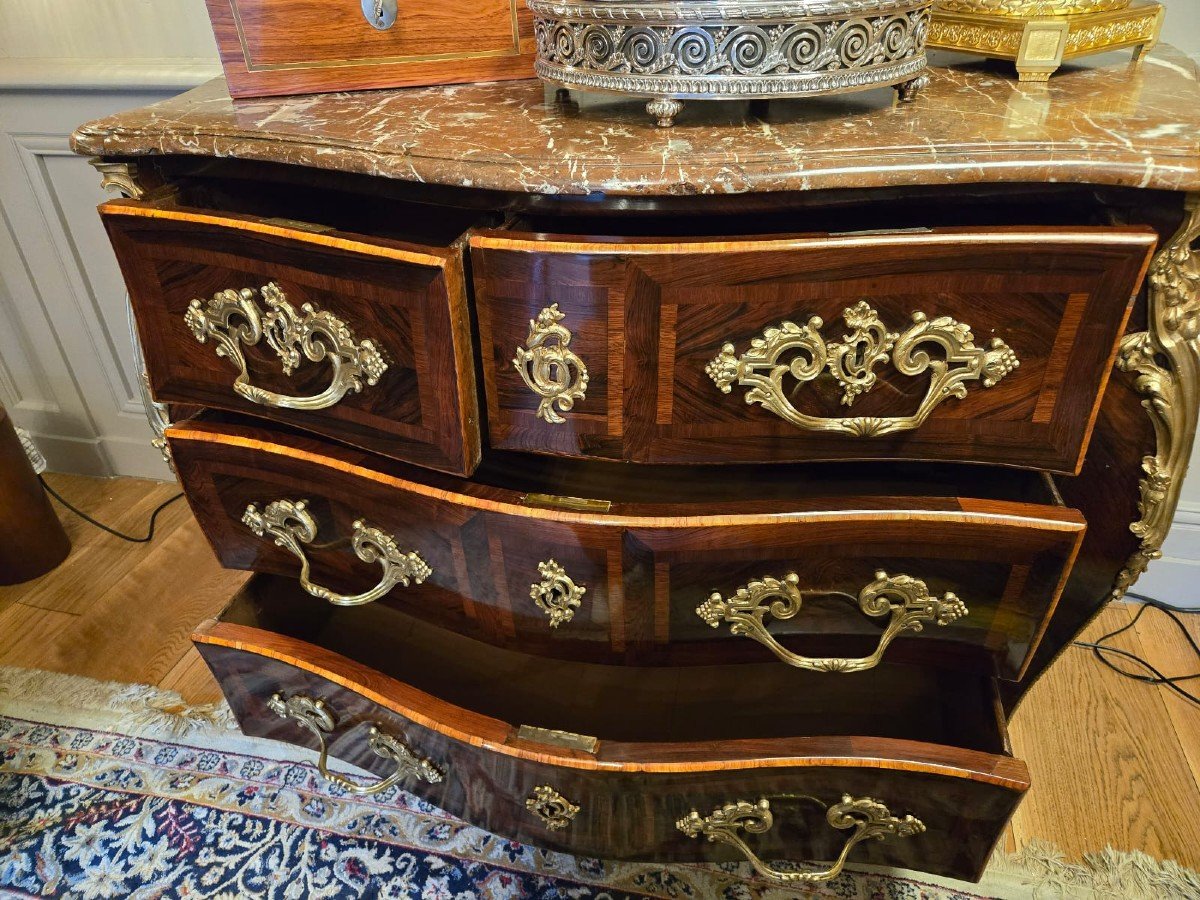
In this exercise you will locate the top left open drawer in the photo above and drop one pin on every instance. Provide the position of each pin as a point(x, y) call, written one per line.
point(365, 340)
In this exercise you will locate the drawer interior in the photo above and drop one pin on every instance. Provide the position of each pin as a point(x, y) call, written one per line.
point(513, 476)
point(331, 206)
point(628, 703)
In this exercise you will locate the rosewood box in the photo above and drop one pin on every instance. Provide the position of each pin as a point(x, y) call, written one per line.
point(271, 47)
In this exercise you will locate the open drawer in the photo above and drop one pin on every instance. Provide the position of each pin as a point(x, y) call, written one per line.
point(983, 344)
point(830, 568)
point(364, 339)
point(627, 763)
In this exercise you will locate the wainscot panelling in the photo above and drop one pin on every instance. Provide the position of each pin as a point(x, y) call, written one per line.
point(67, 370)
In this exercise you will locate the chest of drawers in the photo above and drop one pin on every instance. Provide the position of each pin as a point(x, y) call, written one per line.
point(639, 524)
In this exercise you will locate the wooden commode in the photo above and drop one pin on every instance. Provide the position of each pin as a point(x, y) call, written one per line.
point(710, 494)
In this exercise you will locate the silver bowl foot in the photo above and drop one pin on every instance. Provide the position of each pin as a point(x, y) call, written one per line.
point(910, 90)
point(664, 110)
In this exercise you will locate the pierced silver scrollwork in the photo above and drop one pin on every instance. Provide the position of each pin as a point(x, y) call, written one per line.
point(292, 526)
point(556, 594)
point(550, 368)
point(802, 354)
point(716, 50)
point(315, 716)
point(905, 598)
point(233, 319)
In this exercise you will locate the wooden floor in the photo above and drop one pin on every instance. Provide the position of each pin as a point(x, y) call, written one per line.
point(1114, 762)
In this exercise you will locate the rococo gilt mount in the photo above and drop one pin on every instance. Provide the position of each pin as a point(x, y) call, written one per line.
point(715, 50)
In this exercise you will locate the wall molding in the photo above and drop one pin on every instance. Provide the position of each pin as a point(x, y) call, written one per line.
point(46, 74)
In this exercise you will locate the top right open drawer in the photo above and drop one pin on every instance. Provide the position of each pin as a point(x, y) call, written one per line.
point(977, 345)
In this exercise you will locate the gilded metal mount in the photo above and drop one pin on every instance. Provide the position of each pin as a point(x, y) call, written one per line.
point(869, 818)
point(907, 599)
point(233, 319)
point(550, 367)
point(803, 354)
point(1166, 362)
point(1038, 36)
point(556, 594)
point(292, 526)
point(555, 810)
point(316, 717)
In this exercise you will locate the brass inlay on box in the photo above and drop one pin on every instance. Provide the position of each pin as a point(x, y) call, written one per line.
point(1039, 35)
point(869, 818)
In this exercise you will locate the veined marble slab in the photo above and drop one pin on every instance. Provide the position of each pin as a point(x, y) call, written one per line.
point(1102, 121)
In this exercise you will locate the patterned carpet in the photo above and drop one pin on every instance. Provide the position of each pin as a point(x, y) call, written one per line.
point(121, 791)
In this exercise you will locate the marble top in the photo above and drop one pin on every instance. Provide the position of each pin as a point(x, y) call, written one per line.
point(1099, 121)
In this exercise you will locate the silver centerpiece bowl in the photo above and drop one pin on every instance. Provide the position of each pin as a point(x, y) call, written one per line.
point(730, 49)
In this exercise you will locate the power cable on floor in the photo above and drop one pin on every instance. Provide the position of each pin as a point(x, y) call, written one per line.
point(125, 537)
point(1100, 648)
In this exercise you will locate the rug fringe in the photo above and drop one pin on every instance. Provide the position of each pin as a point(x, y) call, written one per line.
point(1042, 869)
point(1039, 870)
point(138, 708)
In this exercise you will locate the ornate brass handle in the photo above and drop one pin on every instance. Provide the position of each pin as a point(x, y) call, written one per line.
point(801, 352)
point(317, 718)
point(292, 526)
point(869, 818)
point(906, 598)
point(233, 319)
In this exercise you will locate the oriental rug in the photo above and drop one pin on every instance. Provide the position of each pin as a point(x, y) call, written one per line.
point(124, 791)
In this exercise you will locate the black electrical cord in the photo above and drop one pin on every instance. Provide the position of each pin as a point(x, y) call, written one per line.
point(1099, 648)
point(125, 537)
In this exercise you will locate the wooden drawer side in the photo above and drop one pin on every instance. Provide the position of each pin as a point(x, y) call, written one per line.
point(492, 771)
point(373, 338)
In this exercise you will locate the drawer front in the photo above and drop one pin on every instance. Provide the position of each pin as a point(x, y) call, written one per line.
point(983, 346)
point(362, 341)
point(308, 46)
point(958, 583)
point(934, 808)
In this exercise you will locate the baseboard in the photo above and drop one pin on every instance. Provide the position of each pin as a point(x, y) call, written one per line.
point(102, 456)
point(1174, 581)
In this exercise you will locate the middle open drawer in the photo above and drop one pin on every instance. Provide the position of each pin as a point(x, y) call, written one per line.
point(829, 568)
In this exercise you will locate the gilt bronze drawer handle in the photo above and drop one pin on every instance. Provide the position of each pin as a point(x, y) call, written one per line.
point(556, 594)
point(869, 818)
point(292, 526)
point(906, 598)
point(317, 718)
point(555, 810)
point(799, 351)
point(233, 319)
point(550, 367)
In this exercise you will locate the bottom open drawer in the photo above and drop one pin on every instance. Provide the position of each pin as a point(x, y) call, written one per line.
point(897, 766)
